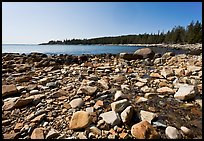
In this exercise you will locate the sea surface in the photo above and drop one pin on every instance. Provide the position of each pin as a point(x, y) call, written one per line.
point(78, 49)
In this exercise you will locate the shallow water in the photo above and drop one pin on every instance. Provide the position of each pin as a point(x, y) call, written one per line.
point(78, 49)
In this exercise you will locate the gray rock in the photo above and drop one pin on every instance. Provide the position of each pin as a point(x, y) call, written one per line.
point(172, 132)
point(185, 92)
point(126, 115)
point(51, 84)
point(111, 118)
point(77, 102)
point(145, 53)
point(148, 116)
point(120, 105)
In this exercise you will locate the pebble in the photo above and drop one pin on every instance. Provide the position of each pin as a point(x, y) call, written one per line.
point(185, 92)
point(172, 132)
point(111, 118)
point(37, 134)
point(144, 130)
point(126, 114)
point(52, 134)
point(77, 102)
point(120, 105)
point(147, 116)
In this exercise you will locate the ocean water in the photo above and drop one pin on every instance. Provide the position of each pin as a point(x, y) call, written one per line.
point(76, 49)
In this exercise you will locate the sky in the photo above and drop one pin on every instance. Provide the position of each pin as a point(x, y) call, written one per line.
point(40, 22)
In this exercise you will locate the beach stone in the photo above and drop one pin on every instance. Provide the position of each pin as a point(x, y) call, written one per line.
point(98, 104)
point(193, 68)
point(139, 99)
point(126, 114)
point(38, 118)
point(6, 122)
point(44, 80)
point(111, 118)
point(139, 84)
point(104, 83)
point(89, 90)
point(147, 116)
point(172, 132)
point(144, 130)
point(8, 90)
point(185, 92)
point(118, 95)
point(9, 103)
point(167, 71)
point(145, 53)
point(18, 127)
point(185, 130)
point(128, 56)
point(80, 119)
point(77, 102)
point(157, 61)
point(58, 93)
point(37, 134)
point(52, 134)
point(23, 102)
point(167, 55)
point(123, 135)
point(164, 90)
point(34, 92)
point(155, 75)
point(11, 135)
point(51, 84)
point(90, 109)
point(95, 130)
point(120, 105)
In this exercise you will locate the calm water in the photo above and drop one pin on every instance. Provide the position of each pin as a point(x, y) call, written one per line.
point(75, 49)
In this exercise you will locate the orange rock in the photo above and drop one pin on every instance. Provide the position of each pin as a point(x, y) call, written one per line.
point(144, 130)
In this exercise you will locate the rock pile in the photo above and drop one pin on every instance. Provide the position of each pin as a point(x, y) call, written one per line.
point(101, 96)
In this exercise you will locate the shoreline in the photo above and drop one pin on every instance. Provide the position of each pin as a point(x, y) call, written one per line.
point(44, 93)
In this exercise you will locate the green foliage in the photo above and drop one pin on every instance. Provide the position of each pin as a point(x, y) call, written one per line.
point(179, 35)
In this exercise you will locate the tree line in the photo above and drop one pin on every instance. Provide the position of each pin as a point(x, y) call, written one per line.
point(190, 34)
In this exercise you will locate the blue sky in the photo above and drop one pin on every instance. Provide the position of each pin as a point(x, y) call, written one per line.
point(37, 22)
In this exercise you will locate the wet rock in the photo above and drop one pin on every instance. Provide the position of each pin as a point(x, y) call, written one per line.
point(120, 105)
point(185, 92)
point(77, 102)
point(37, 134)
point(52, 134)
point(144, 130)
point(147, 116)
point(145, 53)
point(80, 119)
point(172, 132)
point(111, 118)
point(126, 114)
point(8, 90)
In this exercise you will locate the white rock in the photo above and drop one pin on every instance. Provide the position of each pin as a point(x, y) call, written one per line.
point(141, 99)
point(111, 118)
point(77, 102)
point(118, 95)
point(185, 130)
point(120, 105)
point(34, 92)
point(126, 115)
point(148, 116)
point(185, 92)
point(172, 132)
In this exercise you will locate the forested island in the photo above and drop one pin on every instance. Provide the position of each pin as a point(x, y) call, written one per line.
point(190, 34)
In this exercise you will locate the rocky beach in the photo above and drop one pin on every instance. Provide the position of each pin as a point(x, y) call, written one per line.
point(145, 95)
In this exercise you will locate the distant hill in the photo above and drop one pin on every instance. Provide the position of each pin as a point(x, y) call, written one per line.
point(178, 35)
